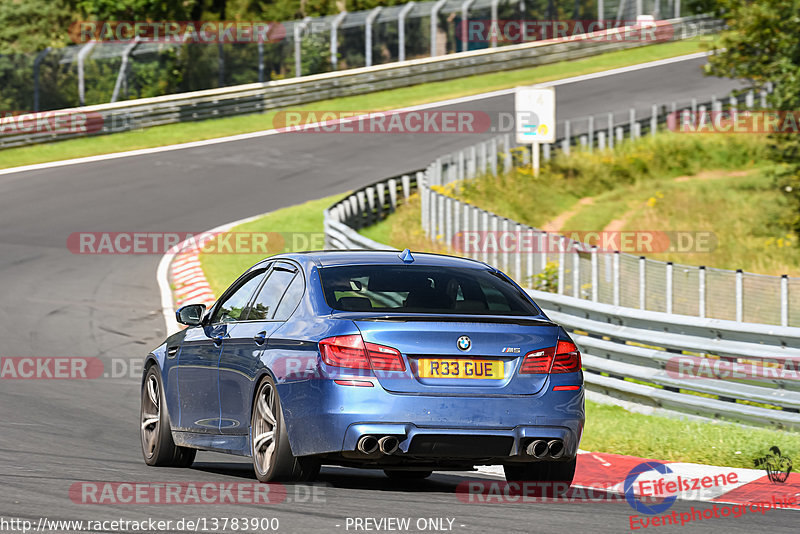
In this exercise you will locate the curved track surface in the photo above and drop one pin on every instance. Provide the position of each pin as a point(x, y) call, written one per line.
point(55, 433)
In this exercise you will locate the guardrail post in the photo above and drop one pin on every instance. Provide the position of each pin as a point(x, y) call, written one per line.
point(576, 272)
point(465, 5)
point(642, 282)
point(465, 228)
point(668, 286)
point(701, 297)
point(461, 164)
point(763, 95)
point(368, 34)
point(299, 28)
point(616, 278)
point(600, 11)
point(595, 274)
point(482, 157)
point(677, 13)
point(565, 143)
point(401, 30)
point(440, 216)
point(476, 214)
point(37, 62)
point(546, 151)
point(739, 295)
point(507, 153)
point(749, 99)
point(544, 242)
point(637, 130)
point(335, 23)
point(84, 51)
point(733, 104)
point(561, 257)
point(610, 130)
point(435, 24)
point(620, 134)
point(122, 75)
point(529, 259)
point(632, 121)
point(591, 133)
point(601, 140)
point(448, 221)
point(405, 180)
point(494, 5)
point(583, 141)
point(654, 121)
point(472, 162)
point(496, 241)
point(694, 108)
point(493, 156)
point(484, 232)
point(784, 300)
point(503, 242)
point(518, 251)
point(260, 51)
point(392, 183)
point(639, 8)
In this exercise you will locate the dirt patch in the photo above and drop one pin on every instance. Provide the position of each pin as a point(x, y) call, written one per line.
point(558, 223)
point(713, 175)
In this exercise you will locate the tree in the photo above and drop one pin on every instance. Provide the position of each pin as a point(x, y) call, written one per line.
point(761, 45)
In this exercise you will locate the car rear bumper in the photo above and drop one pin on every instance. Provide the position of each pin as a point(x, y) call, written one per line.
point(324, 417)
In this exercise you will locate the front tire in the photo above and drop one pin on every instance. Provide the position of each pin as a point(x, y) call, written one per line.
point(272, 455)
point(158, 448)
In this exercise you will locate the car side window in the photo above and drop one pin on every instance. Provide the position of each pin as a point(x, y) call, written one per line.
point(291, 298)
point(230, 310)
point(265, 304)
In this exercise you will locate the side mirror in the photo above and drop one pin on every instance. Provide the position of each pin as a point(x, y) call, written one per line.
point(191, 315)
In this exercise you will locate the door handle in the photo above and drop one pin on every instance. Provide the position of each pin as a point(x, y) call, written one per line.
point(260, 338)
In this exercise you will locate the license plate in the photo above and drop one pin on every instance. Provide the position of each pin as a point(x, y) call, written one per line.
point(441, 368)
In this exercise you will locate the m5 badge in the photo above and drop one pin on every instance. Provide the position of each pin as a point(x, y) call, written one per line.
point(513, 350)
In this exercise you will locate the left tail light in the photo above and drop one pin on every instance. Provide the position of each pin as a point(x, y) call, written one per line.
point(563, 358)
point(353, 353)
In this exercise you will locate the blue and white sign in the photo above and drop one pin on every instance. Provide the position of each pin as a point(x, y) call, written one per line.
point(536, 115)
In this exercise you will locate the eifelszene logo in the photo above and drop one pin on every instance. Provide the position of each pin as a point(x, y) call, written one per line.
point(776, 465)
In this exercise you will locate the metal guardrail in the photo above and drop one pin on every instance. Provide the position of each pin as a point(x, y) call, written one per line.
point(260, 97)
point(733, 370)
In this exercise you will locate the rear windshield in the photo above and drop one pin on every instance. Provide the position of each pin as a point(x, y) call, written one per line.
point(421, 289)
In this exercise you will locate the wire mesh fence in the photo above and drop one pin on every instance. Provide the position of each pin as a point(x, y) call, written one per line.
point(97, 72)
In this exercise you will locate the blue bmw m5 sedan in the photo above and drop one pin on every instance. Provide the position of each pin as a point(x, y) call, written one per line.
point(403, 362)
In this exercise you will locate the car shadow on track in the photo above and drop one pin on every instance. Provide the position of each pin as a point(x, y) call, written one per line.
point(350, 478)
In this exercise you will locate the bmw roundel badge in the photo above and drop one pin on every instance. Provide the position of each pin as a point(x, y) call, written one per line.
point(464, 343)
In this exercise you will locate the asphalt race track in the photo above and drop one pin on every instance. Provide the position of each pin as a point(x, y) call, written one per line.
point(56, 303)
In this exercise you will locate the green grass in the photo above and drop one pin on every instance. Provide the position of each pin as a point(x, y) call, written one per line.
point(378, 101)
point(290, 229)
point(614, 429)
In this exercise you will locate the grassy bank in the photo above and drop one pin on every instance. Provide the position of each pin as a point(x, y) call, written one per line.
point(719, 185)
point(378, 101)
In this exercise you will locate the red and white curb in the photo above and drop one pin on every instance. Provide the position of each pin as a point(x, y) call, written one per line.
point(189, 281)
point(704, 483)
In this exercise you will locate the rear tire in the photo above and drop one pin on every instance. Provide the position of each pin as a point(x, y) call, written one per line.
point(272, 455)
point(407, 475)
point(561, 473)
point(158, 448)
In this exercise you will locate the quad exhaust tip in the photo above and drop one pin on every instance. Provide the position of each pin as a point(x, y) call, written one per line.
point(388, 444)
point(555, 448)
point(537, 448)
point(368, 444)
point(541, 449)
